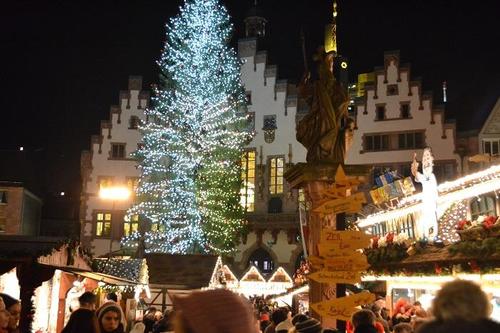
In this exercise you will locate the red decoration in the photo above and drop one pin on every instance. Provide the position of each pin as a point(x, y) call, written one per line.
point(375, 242)
point(437, 269)
point(474, 266)
point(389, 238)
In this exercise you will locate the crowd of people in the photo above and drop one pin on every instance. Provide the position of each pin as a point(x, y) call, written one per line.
point(459, 307)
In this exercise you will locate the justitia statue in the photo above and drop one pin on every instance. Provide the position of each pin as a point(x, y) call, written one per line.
point(324, 129)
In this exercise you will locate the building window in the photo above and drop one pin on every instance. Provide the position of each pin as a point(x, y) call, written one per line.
point(251, 121)
point(262, 260)
point(405, 111)
point(276, 175)
point(132, 183)
point(377, 142)
point(3, 197)
point(482, 205)
point(249, 97)
point(411, 140)
point(117, 150)
point(444, 171)
point(380, 112)
point(105, 182)
point(133, 122)
point(103, 224)
point(392, 89)
point(247, 192)
point(490, 147)
point(130, 225)
point(157, 227)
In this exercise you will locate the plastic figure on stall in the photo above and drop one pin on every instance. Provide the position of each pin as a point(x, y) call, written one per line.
point(428, 224)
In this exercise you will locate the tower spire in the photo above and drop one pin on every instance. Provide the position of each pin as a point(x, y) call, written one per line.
point(331, 32)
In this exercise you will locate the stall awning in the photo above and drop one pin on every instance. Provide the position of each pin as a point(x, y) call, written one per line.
point(100, 277)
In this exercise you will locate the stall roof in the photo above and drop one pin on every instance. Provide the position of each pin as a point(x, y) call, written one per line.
point(177, 271)
point(100, 277)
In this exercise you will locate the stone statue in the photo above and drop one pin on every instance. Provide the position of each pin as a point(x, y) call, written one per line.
point(323, 130)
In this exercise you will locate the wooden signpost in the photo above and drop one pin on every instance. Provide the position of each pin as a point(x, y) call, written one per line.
point(350, 204)
point(343, 308)
point(331, 277)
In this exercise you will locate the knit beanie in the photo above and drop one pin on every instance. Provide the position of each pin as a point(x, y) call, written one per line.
point(215, 311)
point(8, 300)
point(310, 325)
point(111, 306)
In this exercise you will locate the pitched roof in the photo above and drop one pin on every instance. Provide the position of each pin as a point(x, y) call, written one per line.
point(177, 271)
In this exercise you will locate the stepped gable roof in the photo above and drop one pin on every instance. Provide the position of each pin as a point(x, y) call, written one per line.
point(178, 271)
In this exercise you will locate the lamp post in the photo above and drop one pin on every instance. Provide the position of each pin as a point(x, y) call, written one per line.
point(114, 193)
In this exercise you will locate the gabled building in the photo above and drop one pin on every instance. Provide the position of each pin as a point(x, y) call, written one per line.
point(396, 118)
point(271, 205)
point(489, 135)
point(107, 164)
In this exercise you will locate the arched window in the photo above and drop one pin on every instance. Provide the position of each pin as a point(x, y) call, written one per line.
point(482, 205)
point(262, 260)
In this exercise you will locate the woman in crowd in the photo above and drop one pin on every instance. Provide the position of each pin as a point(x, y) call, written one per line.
point(110, 317)
point(13, 306)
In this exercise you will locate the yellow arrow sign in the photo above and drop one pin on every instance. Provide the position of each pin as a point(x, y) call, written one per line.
point(355, 262)
point(325, 276)
point(343, 308)
point(345, 238)
point(330, 251)
point(350, 204)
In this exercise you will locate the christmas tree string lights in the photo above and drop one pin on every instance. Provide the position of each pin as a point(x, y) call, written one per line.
point(192, 141)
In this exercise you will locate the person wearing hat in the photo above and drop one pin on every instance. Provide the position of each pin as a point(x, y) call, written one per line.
point(309, 325)
point(110, 318)
point(213, 311)
point(14, 307)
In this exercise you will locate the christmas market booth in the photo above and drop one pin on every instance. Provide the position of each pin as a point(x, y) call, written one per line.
point(47, 275)
point(413, 263)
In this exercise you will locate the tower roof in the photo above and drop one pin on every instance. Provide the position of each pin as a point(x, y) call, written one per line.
point(255, 11)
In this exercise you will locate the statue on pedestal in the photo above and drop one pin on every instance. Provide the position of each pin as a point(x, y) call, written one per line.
point(323, 130)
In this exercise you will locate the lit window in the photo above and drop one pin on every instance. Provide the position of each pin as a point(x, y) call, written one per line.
point(247, 192)
point(105, 182)
point(103, 224)
point(157, 227)
point(276, 176)
point(117, 150)
point(130, 225)
point(132, 183)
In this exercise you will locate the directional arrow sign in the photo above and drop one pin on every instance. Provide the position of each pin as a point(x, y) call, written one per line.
point(343, 308)
point(324, 276)
point(330, 251)
point(346, 238)
point(351, 204)
point(354, 262)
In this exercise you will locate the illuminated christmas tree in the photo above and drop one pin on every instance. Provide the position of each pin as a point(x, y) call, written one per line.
point(192, 141)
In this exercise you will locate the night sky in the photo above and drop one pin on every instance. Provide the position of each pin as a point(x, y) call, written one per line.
point(64, 62)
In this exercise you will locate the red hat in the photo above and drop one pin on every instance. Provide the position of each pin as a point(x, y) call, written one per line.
point(264, 316)
point(215, 311)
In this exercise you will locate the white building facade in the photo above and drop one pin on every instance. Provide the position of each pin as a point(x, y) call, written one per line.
point(107, 164)
point(271, 205)
point(395, 118)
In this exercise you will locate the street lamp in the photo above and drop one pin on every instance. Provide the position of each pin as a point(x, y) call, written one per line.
point(114, 193)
